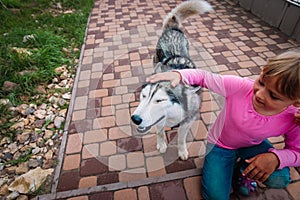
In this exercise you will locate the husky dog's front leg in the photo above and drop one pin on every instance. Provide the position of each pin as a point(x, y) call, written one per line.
point(161, 145)
point(182, 133)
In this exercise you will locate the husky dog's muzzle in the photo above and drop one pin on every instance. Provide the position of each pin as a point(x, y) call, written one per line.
point(138, 120)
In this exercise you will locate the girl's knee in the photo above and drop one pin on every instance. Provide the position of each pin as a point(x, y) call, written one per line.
point(279, 179)
point(278, 182)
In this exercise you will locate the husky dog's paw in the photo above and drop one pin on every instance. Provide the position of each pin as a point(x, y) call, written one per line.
point(183, 154)
point(161, 147)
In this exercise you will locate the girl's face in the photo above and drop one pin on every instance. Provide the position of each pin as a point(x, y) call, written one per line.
point(266, 99)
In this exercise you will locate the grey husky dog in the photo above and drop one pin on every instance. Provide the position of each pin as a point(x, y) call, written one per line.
point(161, 104)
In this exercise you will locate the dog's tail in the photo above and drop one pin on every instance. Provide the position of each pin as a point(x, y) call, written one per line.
point(185, 10)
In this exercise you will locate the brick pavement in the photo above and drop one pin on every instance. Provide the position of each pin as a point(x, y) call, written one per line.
point(102, 156)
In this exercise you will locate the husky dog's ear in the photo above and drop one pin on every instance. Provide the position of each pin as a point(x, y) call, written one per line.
point(192, 89)
point(157, 68)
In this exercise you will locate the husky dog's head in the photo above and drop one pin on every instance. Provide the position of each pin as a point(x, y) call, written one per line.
point(158, 106)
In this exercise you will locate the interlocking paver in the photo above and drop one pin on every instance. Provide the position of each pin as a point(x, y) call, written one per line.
point(102, 195)
point(102, 147)
point(74, 143)
point(167, 191)
point(108, 148)
point(95, 136)
point(104, 122)
point(71, 162)
point(193, 188)
point(119, 132)
point(135, 159)
point(132, 174)
point(117, 163)
point(155, 166)
point(90, 151)
point(79, 198)
point(294, 191)
point(143, 193)
point(89, 181)
point(122, 117)
point(79, 115)
point(127, 194)
point(92, 166)
point(80, 103)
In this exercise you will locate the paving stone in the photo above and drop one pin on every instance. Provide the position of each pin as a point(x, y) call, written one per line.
point(276, 194)
point(98, 93)
point(80, 103)
point(107, 178)
point(71, 162)
point(101, 195)
point(135, 159)
point(119, 132)
point(127, 194)
point(180, 165)
point(155, 166)
point(293, 189)
point(68, 181)
point(93, 113)
point(294, 174)
point(143, 193)
point(149, 144)
point(89, 181)
point(79, 198)
point(132, 174)
point(111, 100)
point(79, 115)
point(193, 188)
point(129, 144)
point(116, 163)
point(167, 190)
point(95, 136)
point(90, 151)
point(108, 148)
point(122, 117)
point(92, 166)
point(85, 75)
point(103, 122)
point(74, 143)
point(196, 149)
point(199, 130)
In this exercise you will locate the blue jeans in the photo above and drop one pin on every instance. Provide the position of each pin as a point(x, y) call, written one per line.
point(219, 166)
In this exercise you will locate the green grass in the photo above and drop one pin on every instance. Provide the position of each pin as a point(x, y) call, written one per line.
point(55, 36)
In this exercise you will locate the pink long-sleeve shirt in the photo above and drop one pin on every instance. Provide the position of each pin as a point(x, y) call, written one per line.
point(238, 124)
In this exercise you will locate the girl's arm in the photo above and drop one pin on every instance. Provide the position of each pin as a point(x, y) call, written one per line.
point(174, 77)
point(223, 85)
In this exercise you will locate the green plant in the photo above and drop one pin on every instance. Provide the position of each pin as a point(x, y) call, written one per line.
point(35, 38)
point(22, 158)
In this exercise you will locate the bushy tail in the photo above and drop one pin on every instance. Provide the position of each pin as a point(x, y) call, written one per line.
point(185, 10)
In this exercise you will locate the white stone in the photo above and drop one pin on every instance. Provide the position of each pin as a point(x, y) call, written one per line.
point(58, 121)
point(67, 96)
point(30, 181)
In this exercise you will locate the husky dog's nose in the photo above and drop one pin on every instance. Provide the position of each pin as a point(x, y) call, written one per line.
point(136, 119)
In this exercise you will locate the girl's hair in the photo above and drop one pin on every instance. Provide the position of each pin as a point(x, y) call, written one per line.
point(286, 67)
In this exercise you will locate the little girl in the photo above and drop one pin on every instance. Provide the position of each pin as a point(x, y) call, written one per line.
point(253, 112)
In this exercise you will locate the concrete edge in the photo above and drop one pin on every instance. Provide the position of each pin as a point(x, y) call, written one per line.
point(122, 185)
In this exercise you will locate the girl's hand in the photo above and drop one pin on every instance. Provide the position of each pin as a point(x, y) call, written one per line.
point(297, 116)
point(173, 77)
point(261, 166)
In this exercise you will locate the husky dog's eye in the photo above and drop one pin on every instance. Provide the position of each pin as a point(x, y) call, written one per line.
point(159, 100)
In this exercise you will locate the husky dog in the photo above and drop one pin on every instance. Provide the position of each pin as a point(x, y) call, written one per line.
point(161, 104)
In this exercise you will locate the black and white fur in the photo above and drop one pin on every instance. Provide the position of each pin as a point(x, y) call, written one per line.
point(161, 104)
